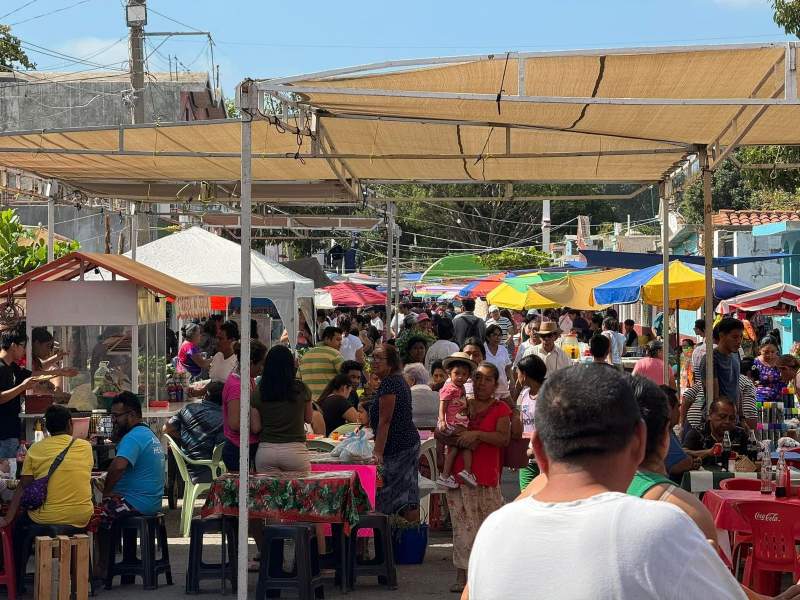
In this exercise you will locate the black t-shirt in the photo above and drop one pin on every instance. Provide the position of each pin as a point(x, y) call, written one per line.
point(333, 408)
point(10, 423)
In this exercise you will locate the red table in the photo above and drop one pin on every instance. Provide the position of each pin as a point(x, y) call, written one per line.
point(721, 505)
point(367, 475)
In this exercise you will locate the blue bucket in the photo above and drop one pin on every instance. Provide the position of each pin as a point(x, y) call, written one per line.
point(410, 545)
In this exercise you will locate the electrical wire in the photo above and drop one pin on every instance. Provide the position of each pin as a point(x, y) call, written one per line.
point(52, 12)
point(16, 10)
point(155, 12)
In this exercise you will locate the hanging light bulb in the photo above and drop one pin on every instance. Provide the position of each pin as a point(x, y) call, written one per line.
point(458, 220)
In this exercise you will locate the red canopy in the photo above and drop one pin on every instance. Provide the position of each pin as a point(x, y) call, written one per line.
point(355, 295)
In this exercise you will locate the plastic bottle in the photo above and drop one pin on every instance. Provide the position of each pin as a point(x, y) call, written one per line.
point(38, 431)
point(780, 476)
point(22, 452)
point(752, 446)
point(766, 470)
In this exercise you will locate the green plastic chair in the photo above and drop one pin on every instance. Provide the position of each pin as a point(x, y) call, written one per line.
point(319, 446)
point(192, 491)
point(345, 429)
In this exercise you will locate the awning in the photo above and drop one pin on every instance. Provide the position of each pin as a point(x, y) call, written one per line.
point(189, 301)
point(779, 297)
point(576, 291)
point(639, 260)
point(515, 292)
point(456, 266)
point(355, 295)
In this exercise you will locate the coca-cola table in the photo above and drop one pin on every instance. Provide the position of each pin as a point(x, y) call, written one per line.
point(721, 504)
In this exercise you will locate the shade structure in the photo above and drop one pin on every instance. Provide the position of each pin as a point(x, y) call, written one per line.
point(576, 291)
point(365, 279)
point(354, 295)
point(478, 288)
point(323, 300)
point(515, 292)
point(310, 268)
point(641, 260)
point(436, 290)
point(456, 266)
point(189, 301)
point(686, 286)
point(773, 299)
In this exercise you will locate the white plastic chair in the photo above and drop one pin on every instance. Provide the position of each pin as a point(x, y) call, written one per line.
point(428, 487)
point(192, 491)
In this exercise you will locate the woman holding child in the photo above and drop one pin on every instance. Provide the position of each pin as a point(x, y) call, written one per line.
point(488, 433)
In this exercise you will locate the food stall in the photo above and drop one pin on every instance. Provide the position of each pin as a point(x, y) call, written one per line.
point(112, 332)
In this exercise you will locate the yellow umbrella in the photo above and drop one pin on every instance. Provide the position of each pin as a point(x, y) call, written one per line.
point(515, 293)
point(575, 290)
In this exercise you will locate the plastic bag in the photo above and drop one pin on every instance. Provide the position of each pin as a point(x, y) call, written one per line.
point(355, 446)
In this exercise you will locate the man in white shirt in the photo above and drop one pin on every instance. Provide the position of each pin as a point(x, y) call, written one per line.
point(398, 320)
point(224, 361)
point(352, 348)
point(553, 356)
point(375, 320)
point(617, 340)
point(581, 536)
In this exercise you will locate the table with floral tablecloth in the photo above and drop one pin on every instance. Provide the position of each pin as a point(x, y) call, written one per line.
point(329, 497)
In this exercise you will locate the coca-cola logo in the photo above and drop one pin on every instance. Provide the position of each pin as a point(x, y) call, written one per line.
point(771, 517)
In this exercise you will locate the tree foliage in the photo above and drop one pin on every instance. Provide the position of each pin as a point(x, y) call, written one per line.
point(787, 15)
point(19, 253)
point(515, 258)
point(11, 52)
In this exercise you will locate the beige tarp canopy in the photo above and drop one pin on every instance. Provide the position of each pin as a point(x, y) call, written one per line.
point(598, 116)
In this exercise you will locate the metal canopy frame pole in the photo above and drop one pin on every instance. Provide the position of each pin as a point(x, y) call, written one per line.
point(245, 110)
point(389, 252)
point(134, 234)
point(665, 267)
point(397, 233)
point(708, 254)
point(51, 221)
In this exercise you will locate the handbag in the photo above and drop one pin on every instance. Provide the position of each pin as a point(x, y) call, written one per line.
point(35, 494)
point(515, 455)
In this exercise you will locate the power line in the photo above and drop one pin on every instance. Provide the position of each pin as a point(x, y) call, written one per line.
point(52, 12)
point(16, 10)
point(154, 11)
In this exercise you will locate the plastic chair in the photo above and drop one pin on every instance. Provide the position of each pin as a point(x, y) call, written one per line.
point(428, 487)
point(345, 429)
point(8, 574)
point(319, 446)
point(740, 483)
point(191, 490)
point(773, 525)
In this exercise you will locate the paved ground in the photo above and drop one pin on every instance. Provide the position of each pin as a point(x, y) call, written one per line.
point(428, 580)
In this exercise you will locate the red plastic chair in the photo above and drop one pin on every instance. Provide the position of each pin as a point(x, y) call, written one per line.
point(740, 483)
point(774, 532)
point(8, 574)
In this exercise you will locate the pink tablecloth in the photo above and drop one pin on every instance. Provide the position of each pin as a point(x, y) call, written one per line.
point(721, 505)
point(368, 476)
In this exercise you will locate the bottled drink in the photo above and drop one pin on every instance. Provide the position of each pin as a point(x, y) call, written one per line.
point(726, 449)
point(780, 476)
point(752, 446)
point(766, 470)
point(38, 432)
point(22, 452)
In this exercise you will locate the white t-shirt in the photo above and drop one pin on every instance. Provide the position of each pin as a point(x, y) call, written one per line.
point(397, 323)
point(350, 345)
point(609, 546)
point(439, 350)
point(617, 346)
point(527, 406)
point(500, 360)
point(221, 367)
point(377, 323)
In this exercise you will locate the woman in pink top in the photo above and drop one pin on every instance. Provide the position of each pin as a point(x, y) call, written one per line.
point(230, 406)
point(652, 365)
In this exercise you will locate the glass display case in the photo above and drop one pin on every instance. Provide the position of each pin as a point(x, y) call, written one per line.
point(152, 344)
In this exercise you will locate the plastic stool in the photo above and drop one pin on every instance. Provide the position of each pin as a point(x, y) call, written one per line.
point(26, 550)
point(149, 530)
point(382, 565)
point(8, 576)
point(337, 557)
point(305, 577)
point(197, 570)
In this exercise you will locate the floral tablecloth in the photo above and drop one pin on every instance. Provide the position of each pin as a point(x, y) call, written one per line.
point(329, 497)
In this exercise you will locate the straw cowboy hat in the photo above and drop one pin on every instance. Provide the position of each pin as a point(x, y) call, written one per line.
point(548, 327)
point(459, 357)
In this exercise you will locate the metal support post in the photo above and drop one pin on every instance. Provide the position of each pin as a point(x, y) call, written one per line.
point(665, 262)
point(389, 251)
point(398, 232)
point(136, 42)
point(51, 220)
point(708, 254)
point(546, 226)
point(134, 233)
point(246, 102)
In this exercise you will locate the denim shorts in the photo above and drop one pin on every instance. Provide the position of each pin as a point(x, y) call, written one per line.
point(9, 447)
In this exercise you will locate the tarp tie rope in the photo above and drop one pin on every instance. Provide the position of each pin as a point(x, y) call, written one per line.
point(502, 83)
point(374, 141)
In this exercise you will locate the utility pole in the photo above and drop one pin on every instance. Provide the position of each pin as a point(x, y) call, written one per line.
point(546, 226)
point(136, 18)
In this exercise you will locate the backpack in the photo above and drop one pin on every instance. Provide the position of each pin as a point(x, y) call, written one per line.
point(472, 328)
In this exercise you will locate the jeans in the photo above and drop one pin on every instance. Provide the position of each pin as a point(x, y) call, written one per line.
point(9, 447)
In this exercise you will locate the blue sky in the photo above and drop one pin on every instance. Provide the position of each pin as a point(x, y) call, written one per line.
point(263, 38)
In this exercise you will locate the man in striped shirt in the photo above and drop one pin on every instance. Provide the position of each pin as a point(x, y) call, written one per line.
point(506, 325)
point(321, 364)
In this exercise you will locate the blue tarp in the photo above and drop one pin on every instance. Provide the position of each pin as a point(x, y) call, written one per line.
point(639, 260)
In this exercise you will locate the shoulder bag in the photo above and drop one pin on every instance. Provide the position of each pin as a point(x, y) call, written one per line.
point(35, 495)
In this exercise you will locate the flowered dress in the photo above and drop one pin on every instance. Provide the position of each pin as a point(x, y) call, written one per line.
point(770, 387)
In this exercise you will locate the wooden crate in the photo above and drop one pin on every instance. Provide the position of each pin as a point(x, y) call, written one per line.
point(73, 567)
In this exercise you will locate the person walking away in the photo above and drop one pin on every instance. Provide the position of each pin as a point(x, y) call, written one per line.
point(398, 320)
point(530, 377)
point(617, 340)
point(467, 325)
point(553, 356)
point(231, 407)
point(396, 437)
point(589, 440)
point(599, 348)
point(14, 381)
point(322, 363)
point(652, 365)
point(454, 418)
point(352, 348)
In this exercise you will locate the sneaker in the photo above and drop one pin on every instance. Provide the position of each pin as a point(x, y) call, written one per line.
point(448, 482)
point(468, 478)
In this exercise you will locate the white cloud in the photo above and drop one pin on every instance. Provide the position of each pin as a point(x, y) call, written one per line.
point(740, 3)
point(101, 51)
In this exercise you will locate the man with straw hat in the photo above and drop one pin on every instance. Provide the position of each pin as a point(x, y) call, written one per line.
point(553, 356)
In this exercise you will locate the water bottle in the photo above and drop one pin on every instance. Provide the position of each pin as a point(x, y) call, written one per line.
point(766, 470)
point(780, 476)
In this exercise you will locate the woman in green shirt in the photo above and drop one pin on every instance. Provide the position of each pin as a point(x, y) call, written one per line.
point(284, 404)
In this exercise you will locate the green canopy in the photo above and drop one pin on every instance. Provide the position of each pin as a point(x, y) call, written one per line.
point(521, 282)
point(464, 266)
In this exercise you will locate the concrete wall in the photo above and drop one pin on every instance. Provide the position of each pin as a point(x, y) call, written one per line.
point(758, 274)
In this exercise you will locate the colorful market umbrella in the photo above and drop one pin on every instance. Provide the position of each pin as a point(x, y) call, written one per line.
point(515, 293)
point(576, 290)
point(775, 299)
point(479, 288)
point(687, 286)
point(354, 295)
point(434, 291)
point(463, 266)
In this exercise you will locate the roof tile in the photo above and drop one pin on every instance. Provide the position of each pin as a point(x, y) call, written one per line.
point(744, 218)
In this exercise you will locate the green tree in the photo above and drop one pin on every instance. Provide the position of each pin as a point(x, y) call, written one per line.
point(11, 52)
point(515, 258)
point(787, 15)
point(729, 191)
point(19, 252)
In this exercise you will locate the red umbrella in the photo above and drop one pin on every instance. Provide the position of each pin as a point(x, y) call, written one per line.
point(354, 295)
point(480, 287)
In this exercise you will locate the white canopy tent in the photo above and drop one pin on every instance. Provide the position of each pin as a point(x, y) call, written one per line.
point(212, 264)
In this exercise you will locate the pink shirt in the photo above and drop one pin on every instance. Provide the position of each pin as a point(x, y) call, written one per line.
point(231, 393)
point(652, 368)
point(455, 404)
